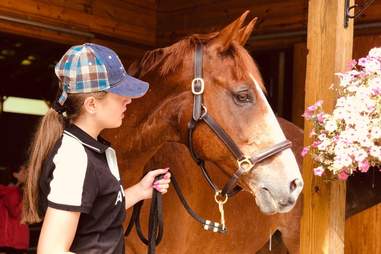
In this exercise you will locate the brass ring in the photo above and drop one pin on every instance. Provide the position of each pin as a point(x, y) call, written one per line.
point(218, 193)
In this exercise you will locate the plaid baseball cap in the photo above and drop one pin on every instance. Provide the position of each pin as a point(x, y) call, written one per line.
point(90, 68)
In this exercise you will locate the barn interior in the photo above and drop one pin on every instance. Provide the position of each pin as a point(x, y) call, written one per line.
point(35, 34)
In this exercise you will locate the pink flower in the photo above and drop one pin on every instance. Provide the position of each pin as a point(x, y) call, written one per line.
point(305, 151)
point(307, 114)
point(318, 171)
point(320, 117)
point(376, 90)
point(315, 106)
point(352, 64)
point(364, 166)
point(316, 143)
point(343, 175)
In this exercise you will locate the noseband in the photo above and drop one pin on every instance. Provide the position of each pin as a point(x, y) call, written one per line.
point(245, 164)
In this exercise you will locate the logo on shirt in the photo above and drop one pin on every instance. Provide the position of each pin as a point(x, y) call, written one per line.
point(120, 196)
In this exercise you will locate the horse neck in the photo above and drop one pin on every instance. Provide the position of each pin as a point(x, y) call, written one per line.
point(151, 121)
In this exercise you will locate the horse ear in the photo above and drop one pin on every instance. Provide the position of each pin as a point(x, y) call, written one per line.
point(245, 32)
point(227, 34)
point(133, 69)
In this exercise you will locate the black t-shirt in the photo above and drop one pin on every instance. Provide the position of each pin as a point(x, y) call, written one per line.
point(81, 174)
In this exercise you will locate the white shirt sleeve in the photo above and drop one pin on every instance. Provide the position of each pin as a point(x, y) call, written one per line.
point(70, 162)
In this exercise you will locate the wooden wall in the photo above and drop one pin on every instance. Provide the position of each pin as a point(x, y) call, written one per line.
point(127, 26)
point(176, 19)
point(362, 232)
point(181, 18)
point(133, 26)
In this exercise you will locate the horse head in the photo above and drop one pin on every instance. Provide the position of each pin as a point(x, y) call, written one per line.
point(233, 95)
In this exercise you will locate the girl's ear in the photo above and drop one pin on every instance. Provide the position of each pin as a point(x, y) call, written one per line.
point(90, 105)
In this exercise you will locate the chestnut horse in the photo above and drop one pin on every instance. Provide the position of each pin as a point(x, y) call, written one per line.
point(234, 97)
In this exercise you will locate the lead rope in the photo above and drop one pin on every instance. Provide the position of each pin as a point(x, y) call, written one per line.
point(155, 222)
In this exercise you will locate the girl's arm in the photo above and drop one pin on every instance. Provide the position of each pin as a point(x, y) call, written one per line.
point(58, 231)
point(143, 189)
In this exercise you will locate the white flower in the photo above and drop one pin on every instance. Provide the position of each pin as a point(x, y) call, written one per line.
point(349, 135)
point(375, 151)
point(340, 102)
point(340, 113)
point(375, 132)
point(365, 141)
point(323, 145)
point(322, 137)
point(374, 82)
point(330, 125)
point(361, 125)
point(342, 161)
point(345, 79)
point(373, 65)
point(360, 155)
point(375, 53)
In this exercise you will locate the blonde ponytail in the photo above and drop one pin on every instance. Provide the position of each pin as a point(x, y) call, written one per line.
point(49, 131)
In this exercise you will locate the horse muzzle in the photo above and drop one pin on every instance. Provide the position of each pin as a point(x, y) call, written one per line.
point(271, 201)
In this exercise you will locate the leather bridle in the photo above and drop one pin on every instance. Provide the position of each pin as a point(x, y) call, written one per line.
point(245, 163)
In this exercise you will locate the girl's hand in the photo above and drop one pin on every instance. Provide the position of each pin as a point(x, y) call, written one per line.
point(148, 182)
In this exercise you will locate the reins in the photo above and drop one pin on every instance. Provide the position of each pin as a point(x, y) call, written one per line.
point(155, 223)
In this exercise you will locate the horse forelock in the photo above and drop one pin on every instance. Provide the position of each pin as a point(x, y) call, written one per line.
point(165, 61)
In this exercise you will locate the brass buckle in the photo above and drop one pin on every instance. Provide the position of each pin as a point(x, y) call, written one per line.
point(246, 164)
point(202, 83)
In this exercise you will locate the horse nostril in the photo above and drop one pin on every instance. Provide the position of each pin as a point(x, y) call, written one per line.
point(288, 202)
point(295, 184)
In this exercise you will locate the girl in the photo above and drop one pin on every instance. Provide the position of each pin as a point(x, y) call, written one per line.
point(73, 179)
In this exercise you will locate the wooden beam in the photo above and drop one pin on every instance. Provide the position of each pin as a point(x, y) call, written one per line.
point(362, 232)
point(113, 18)
point(329, 50)
point(177, 21)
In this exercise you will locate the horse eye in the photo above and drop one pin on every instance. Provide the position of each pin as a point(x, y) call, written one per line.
point(243, 97)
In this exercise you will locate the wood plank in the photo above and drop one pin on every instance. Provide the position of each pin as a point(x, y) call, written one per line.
point(362, 232)
point(273, 16)
point(127, 53)
point(109, 21)
point(85, 5)
point(299, 77)
point(329, 49)
point(177, 20)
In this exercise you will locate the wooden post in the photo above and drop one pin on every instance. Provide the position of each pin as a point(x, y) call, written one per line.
point(329, 50)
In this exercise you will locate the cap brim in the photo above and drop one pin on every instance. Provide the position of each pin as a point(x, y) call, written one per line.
point(129, 86)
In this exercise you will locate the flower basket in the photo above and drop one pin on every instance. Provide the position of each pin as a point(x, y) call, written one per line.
point(349, 138)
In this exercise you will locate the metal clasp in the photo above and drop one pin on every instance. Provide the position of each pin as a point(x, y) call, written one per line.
point(246, 164)
point(201, 88)
point(221, 200)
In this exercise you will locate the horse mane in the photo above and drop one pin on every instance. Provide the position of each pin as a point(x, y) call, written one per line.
point(167, 60)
